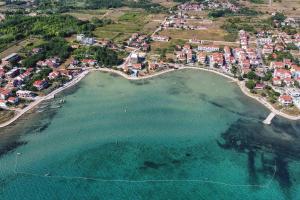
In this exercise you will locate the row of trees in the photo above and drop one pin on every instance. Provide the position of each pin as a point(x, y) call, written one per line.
point(50, 6)
point(17, 27)
point(227, 12)
point(55, 47)
point(103, 55)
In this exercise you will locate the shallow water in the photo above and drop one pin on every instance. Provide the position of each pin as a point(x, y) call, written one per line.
point(183, 135)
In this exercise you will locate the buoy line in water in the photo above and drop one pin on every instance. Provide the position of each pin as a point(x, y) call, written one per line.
point(205, 180)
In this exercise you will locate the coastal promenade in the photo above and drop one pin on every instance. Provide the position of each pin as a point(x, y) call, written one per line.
point(51, 95)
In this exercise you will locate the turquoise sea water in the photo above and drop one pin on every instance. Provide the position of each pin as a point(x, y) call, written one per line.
point(183, 135)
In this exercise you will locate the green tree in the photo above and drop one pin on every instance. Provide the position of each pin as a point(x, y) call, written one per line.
point(250, 84)
point(251, 75)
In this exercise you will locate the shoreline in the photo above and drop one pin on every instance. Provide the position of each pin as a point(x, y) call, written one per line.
point(51, 95)
point(86, 72)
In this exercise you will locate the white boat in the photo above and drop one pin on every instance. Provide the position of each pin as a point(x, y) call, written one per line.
point(47, 174)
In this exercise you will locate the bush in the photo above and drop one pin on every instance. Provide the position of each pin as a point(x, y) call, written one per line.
point(250, 84)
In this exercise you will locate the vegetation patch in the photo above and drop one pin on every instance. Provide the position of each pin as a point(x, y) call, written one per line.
point(104, 56)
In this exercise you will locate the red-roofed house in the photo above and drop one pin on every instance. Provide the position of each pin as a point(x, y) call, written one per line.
point(216, 58)
point(181, 57)
point(186, 47)
point(137, 66)
point(276, 81)
point(245, 63)
point(54, 75)
point(282, 73)
point(288, 81)
point(40, 84)
point(259, 86)
point(267, 49)
point(285, 100)
point(275, 65)
point(91, 62)
point(152, 66)
point(201, 57)
point(13, 100)
point(4, 93)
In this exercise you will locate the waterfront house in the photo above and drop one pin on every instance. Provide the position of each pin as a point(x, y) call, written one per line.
point(40, 84)
point(89, 62)
point(66, 73)
point(4, 93)
point(259, 86)
point(13, 100)
point(137, 66)
point(24, 94)
point(181, 56)
point(285, 100)
point(54, 75)
point(152, 66)
point(201, 57)
point(216, 59)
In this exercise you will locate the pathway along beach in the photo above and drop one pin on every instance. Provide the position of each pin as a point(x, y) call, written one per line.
point(86, 72)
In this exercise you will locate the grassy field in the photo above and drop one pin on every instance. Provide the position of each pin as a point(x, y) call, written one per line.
point(88, 14)
point(21, 45)
point(209, 34)
point(5, 115)
point(127, 23)
point(289, 7)
point(166, 3)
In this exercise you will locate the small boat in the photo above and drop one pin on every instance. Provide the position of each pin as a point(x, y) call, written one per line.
point(55, 107)
point(18, 153)
point(47, 174)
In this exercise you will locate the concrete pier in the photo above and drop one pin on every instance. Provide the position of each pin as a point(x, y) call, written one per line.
point(268, 120)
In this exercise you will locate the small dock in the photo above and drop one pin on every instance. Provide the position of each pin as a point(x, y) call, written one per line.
point(268, 120)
